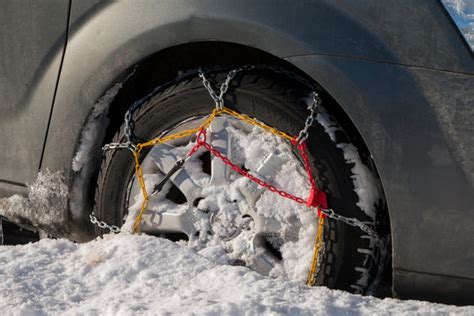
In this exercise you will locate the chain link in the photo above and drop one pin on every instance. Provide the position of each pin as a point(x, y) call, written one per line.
point(218, 99)
point(113, 146)
point(104, 225)
point(128, 130)
point(351, 221)
point(208, 86)
point(312, 107)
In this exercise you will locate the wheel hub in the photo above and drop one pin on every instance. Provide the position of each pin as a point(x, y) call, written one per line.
point(221, 208)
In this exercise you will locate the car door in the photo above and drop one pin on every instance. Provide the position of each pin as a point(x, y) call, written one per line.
point(32, 40)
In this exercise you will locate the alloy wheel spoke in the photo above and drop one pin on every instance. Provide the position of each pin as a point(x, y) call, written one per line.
point(264, 226)
point(221, 140)
point(155, 223)
point(263, 261)
point(165, 160)
point(267, 170)
point(267, 226)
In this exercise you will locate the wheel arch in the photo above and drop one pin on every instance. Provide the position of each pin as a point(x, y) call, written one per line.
point(123, 57)
point(115, 37)
point(163, 66)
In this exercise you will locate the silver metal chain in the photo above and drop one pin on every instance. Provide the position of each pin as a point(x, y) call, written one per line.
point(351, 221)
point(128, 130)
point(303, 136)
point(312, 107)
point(102, 224)
point(218, 99)
point(113, 146)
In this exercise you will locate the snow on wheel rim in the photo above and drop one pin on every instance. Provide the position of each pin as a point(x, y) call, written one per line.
point(223, 215)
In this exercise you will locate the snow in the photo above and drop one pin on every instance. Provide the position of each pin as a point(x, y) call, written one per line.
point(94, 128)
point(131, 274)
point(95, 125)
point(90, 142)
point(365, 183)
point(366, 186)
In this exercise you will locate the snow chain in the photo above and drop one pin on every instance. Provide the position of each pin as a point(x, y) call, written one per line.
point(316, 198)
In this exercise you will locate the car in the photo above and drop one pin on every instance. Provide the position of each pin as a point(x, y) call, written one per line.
point(386, 88)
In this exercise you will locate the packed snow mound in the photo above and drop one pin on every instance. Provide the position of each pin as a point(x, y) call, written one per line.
point(44, 205)
point(130, 274)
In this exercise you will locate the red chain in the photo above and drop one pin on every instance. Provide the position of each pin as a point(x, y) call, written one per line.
point(316, 197)
point(200, 140)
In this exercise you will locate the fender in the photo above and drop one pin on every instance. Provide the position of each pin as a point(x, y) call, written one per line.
point(32, 41)
point(106, 39)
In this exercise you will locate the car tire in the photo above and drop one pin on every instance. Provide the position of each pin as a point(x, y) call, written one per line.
point(352, 260)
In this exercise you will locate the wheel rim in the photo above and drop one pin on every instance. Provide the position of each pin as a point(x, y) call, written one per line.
point(215, 208)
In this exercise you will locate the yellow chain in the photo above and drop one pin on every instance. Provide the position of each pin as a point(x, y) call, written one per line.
point(189, 132)
point(253, 121)
point(183, 134)
point(141, 182)
point(153, 142)
point(317, 248)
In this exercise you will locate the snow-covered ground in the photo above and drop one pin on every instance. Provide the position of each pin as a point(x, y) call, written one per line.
point(129, 274)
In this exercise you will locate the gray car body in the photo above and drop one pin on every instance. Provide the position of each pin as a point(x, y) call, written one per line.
point(400, 70)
